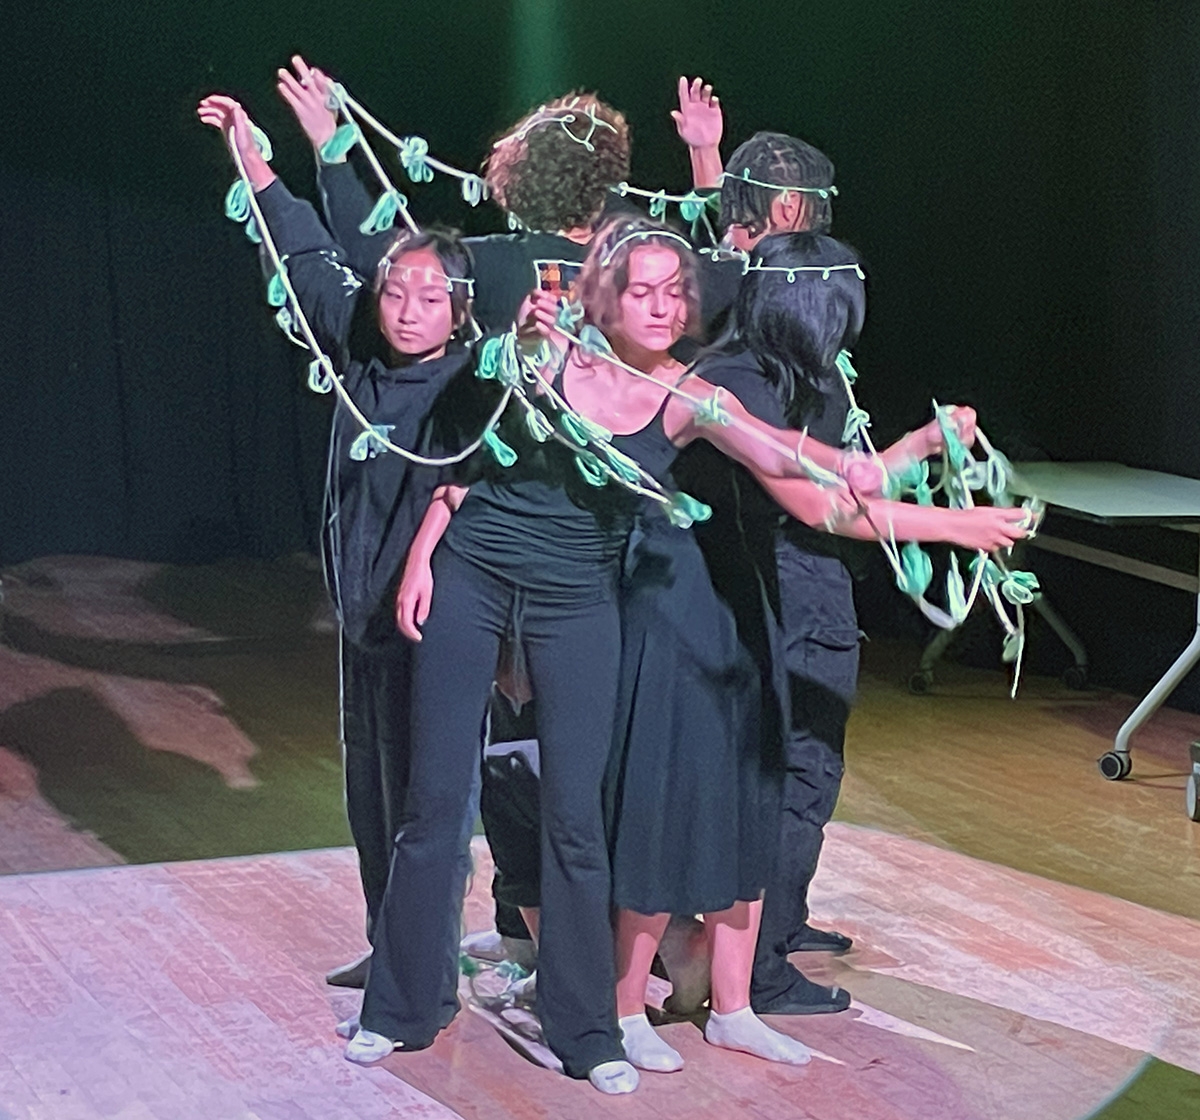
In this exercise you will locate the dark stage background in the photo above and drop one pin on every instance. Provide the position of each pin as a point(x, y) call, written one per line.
point(1022, 179)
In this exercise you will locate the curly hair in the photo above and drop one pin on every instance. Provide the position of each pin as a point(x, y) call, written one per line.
point(605, 272)
point(775, 157)
point(552, 170)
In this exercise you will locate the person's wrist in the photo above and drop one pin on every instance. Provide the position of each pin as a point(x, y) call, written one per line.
point(260, 174)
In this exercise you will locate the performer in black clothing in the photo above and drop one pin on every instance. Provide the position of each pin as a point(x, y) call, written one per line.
point(551, 173)
point(373, 504)
point(778, 357)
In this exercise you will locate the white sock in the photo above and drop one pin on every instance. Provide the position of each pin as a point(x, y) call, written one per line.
point(348, 1028)
point(486, 945)
point(367, 1047)
point(613, 1077)
point(743, 1030)
point(644, 1048)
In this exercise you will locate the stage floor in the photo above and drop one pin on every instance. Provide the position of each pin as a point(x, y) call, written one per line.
point(1027, 934)
point(194, 989)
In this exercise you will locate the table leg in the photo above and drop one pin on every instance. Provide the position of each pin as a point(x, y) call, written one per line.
point(1116, 764)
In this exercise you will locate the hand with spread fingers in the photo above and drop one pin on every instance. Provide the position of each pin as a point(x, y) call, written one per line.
point(307, 95)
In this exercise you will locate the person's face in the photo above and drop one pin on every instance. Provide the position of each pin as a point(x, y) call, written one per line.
point(653, 309)
point(415, 312)
point(789, 213)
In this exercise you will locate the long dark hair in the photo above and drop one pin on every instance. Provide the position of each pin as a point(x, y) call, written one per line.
point(795, 323)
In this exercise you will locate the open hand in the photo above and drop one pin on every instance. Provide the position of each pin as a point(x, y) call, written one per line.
point(227, 114)
point(698, 120)
point(307, 95)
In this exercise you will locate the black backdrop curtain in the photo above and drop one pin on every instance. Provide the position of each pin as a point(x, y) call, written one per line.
point(1021, 178)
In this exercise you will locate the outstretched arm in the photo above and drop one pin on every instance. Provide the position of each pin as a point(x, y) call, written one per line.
point(700, 125)
point(767, 451)
point(415, 594)
point(983, 527)
point(315, 263)
point(344, 199)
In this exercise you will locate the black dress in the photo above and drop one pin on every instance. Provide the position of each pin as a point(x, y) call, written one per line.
point(691, 800)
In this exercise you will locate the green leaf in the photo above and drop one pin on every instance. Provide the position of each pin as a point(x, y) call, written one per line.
point(956, 591)
point(383, 213)
point(691, 206)
point(474, 190)
point(369, 442)
point(573, 426)
point(504, 454)
point(277, 295)
point(917, 570)
point(262, 142)
point(593, 471)
point(685, 510)
point(1019, 587)
point(336, 147)
point(625, 467)
point(237, 202)
point(592, 339)
point(537, 424)
point(488, 363)
point(319, 380)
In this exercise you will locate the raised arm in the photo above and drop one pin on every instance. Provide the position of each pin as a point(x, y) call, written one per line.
point(344, 199)
point(415, 594)
point(700, 125)
point(315, 263)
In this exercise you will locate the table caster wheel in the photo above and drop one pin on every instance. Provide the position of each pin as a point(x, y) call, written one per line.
point(920, 682)
point(1193, 797)
point(1075, 677)
point(1115, 766)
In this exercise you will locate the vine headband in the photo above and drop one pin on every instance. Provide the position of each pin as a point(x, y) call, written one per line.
point(823, 269)
point(562, 116)
point(644, 235)
point(428, 274)
point(744, 177)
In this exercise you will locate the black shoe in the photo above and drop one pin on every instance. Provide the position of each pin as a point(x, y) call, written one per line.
point(802, 997)
point(809, 940)
point(352, 975)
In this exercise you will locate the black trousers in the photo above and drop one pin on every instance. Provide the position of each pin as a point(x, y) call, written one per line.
point(572, 642)
point(821, 655)
point(375, 686)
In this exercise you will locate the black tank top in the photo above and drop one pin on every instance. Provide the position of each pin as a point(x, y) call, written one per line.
point(539, 524)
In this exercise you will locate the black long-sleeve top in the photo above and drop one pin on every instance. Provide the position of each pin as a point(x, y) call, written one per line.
point(374, 506)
